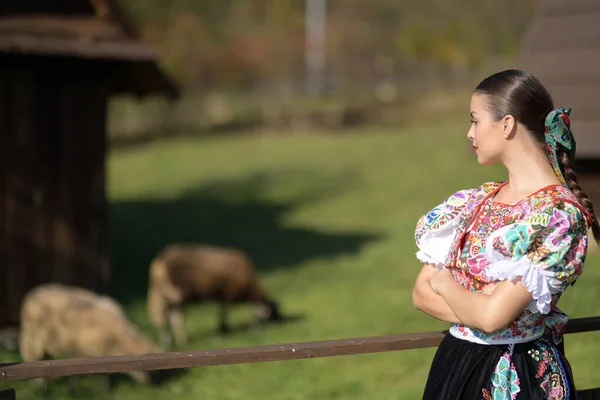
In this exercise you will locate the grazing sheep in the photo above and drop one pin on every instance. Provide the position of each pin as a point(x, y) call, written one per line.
point(59, 321)
point(181, 273)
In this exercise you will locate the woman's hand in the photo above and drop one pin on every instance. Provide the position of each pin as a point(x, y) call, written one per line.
point(429, 302)
point(441, 279)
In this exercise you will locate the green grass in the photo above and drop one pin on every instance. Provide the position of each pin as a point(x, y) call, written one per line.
point(329, 221)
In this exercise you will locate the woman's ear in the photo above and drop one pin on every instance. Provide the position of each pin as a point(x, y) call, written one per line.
point(508, 125)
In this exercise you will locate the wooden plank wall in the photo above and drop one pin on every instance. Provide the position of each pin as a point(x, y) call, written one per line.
point(19, 175)
point(562, 47)
point(4, 201)
point(82, 183)
point(589, 179)
point(52, 199)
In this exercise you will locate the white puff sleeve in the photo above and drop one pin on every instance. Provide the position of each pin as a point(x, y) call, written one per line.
point(546, 251)
point(435, 230)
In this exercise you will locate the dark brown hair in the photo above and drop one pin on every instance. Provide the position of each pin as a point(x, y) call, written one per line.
point(522, 95)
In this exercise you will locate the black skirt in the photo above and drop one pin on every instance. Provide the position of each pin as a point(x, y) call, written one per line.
point(470, 371)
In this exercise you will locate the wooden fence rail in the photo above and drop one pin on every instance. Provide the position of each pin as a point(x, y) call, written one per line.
point(239, 355)
point(243, 355)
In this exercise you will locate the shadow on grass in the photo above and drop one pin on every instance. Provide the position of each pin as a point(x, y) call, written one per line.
point(96, 385)
point(232, 213)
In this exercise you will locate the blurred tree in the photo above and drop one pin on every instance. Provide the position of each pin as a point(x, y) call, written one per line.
point(258, 45)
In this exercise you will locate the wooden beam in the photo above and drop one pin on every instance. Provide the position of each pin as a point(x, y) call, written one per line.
point(127, 50)
point(579, 325)
point(239, 355)
point(73, 26)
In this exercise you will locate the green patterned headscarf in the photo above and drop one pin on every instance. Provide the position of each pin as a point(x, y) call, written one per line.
point(558, 131)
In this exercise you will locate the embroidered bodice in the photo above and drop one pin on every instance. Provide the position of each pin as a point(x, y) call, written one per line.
point(471, 263)
point(542, 239)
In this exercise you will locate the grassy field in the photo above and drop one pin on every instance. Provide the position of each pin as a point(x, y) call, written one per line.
point(329, 221)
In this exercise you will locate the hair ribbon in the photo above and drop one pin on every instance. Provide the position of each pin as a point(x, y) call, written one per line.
point(558, 132)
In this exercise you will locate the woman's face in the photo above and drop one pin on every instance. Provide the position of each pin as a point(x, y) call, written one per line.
point(485, 133)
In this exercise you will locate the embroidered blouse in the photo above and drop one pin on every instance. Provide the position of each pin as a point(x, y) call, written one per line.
point(542, 239)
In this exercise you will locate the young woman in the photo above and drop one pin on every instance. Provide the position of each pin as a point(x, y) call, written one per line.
point(497, 258)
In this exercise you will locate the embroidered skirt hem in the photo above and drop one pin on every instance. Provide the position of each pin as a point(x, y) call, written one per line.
point(471, 371)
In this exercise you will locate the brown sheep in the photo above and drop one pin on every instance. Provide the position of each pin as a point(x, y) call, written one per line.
point(182, 273)
point(59, 321)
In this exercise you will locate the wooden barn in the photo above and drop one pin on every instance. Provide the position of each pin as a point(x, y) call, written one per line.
point(59, 63)
point(562, 47)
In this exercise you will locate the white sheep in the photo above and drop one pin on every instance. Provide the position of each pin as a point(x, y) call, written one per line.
point(59, 321)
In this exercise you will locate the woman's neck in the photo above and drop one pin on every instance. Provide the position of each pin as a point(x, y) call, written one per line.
point(527, 172)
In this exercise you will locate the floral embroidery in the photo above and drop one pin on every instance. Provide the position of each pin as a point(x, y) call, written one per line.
point(505, 381)
point(549, 370)
point(476, 260)
point(486, 394)
point(517, 237)
point(443, 213)
point(499, 247)
point(547, 228)
point(549, 374)
point(538, 250)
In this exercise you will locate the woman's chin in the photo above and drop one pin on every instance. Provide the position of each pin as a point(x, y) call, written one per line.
point(485, 161)
point(481, 160)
